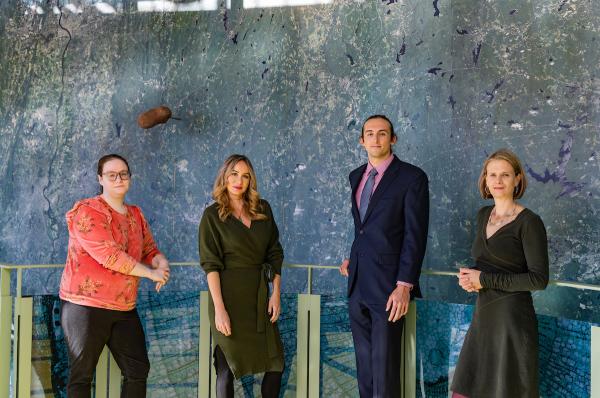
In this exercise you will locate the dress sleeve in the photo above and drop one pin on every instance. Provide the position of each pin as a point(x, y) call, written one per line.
point(93, 232)
point(535, 247)
point(274, 249)
point(149, 248)
point(209, 243)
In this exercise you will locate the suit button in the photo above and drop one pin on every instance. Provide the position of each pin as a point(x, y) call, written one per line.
point(361, 232)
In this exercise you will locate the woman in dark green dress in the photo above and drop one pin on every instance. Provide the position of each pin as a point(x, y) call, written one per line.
point(240, 253)
point(499, 357)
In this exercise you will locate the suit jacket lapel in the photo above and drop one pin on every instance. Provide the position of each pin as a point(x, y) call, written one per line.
point(354, 184)
point(386, 180)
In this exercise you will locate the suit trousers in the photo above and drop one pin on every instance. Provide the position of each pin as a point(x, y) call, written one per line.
point(377, 345)
point(87, 330)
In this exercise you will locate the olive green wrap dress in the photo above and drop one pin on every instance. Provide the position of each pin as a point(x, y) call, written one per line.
point(499, 357)
point(246, 260)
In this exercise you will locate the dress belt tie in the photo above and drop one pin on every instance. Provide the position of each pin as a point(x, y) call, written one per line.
point(263, 323)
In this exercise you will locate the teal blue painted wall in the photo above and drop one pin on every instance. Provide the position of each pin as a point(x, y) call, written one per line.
point(290, 87)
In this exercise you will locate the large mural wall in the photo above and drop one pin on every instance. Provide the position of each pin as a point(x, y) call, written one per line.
point(290, 86)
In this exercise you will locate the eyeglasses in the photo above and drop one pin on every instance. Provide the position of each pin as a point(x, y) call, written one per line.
point(112, 177)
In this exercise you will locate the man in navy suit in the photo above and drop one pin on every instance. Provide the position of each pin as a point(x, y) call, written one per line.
point(390, 206)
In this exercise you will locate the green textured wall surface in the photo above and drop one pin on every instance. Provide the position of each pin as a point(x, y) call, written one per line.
point(290, 87)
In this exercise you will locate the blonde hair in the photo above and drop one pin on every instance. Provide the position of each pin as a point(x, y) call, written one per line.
point(513, 160)
point(251, 198)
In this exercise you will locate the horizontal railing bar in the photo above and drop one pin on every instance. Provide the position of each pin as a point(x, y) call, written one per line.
point(429, 272)
point(438, 273)
point(178, 264)
point(574, 285)
point(38, 266)
point(30, 266)
point(313, 266)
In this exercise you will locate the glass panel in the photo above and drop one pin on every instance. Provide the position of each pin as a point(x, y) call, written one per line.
point(441, 328)
point(171, 322)
point(338, 364)
point(49, 361)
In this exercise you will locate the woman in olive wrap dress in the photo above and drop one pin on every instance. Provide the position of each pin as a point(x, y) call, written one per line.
point(240, 253)
point(499, 357)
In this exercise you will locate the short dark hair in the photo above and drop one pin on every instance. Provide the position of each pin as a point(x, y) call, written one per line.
point(102, 161)
point(362, 131)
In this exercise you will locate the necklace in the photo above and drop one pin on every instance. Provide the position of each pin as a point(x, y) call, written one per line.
point(501, 219)
point(239, 214)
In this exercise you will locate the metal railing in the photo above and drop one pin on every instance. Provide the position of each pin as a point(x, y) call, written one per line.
point(308, 267)
point(307, 348)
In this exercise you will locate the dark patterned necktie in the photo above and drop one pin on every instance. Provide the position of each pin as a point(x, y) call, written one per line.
point(365, 196)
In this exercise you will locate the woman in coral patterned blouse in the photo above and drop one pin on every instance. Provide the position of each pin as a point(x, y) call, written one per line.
point(110, 248)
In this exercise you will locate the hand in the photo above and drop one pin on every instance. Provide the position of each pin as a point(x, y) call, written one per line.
point(344, 267)
point(468, 279)
point(222, 322)
point(159, 275)
point(160, 261)
point(398, 303)
point(274, 307)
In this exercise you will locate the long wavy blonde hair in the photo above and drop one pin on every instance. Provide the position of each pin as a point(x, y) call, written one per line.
point(251, 197)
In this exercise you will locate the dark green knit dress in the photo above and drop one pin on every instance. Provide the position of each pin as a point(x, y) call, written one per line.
point(243, 256)
point(499, 357)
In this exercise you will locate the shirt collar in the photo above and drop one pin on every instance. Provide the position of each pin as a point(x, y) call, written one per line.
point(382, 167)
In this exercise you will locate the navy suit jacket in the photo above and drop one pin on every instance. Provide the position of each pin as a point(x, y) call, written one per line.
point(389, 245)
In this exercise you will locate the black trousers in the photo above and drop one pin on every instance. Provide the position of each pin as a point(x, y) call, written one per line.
point(87, 330)
point(271, 382)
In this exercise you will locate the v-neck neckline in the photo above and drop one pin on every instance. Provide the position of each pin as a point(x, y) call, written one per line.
point(242, 223)
point(486, 238)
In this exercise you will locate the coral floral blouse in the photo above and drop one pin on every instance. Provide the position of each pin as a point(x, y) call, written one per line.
point(104, 246)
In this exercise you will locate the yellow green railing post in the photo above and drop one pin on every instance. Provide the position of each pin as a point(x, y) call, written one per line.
point(595, 362)
point(108, 376)
point(23, 362)
point(16, 333)
point(101, 377)
point(204, 349)
point(308, 346)
point(5, 330)
point(408, 369)
point(207, 376)
point(114, 378)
